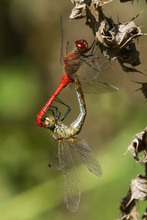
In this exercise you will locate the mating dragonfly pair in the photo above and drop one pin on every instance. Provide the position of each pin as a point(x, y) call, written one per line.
point(65, 136)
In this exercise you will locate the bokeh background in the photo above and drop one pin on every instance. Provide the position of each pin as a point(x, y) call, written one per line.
point(30, 70)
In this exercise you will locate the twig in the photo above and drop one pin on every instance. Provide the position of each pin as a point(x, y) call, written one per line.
point(138, 187)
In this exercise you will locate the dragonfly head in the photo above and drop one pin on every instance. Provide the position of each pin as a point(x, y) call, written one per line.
point(49, 122)
point(82, 46)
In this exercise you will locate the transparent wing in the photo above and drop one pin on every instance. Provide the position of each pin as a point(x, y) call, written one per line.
point(96, 63)
point(87, 156)
point(94, 86)
point(53, 157)
point(71, 185)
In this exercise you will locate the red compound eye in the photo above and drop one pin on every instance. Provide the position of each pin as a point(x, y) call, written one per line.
point(81, 45)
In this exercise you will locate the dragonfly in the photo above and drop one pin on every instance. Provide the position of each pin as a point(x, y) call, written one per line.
point(65, 139)
point(71, 64)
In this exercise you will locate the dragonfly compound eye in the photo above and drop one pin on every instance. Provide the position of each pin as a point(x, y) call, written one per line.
point(81, 45)
point(49, 122)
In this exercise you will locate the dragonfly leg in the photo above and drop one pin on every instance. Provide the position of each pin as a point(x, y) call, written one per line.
point(92, 47)
point(56, 113)
point(67, 111)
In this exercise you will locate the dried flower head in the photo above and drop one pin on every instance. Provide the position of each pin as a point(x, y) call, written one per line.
point(138, 145)
point(115, 40)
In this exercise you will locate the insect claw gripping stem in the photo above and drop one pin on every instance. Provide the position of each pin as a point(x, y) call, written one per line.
point(63, 83)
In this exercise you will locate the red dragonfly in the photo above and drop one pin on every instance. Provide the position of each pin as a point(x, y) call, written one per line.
point(71, 64)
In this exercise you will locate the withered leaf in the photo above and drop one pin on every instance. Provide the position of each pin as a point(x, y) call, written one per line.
point(139, 188)
point(139, 144)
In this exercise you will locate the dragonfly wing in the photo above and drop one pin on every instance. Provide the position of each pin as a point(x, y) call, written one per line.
point(96, 64)
point(95, 87)
point(87, 156)
point(71, 184)
point(53, 158)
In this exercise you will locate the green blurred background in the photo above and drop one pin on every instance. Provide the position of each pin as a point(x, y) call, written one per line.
point(29, 72)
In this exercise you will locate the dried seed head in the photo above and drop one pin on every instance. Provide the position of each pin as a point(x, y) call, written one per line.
point(115, 40)
point(139, 144)
point(139, 188)
point(137, 191)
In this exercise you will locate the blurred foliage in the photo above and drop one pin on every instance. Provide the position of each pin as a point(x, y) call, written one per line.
point(29, 72)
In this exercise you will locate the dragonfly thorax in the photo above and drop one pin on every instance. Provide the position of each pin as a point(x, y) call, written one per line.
point(62, 131)
point(72, 63)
